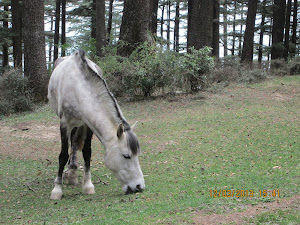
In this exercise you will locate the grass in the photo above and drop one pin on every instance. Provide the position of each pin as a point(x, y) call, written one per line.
point(245, 138)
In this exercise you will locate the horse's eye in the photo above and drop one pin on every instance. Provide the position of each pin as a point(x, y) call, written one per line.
point(126, 156)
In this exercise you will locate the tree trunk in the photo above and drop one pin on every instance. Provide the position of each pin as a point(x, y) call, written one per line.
point(225, 38)
point(4, 45)
point(216, 31)
point(16, 12)
point(241, 31)
point(201, 24)
point(50, 43)
point(109, 22)
point(287, 29)
point(247, 52)
point(176, 28)
point(100, 27)
point(277, 48)
point(93, 20)
point(135, 26)
point(262, 31)
point(34, 47)
point(56, 34)
point(63, 27)
point(294, 34)
point(168, 24)
point(233, 29)
point(162, 21)
point(154, 16)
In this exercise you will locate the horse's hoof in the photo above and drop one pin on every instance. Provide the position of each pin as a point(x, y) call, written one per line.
point(89, 190)
point(56, 194)
point(70, 177)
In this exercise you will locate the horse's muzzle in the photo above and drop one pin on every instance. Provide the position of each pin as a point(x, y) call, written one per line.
point(138, 188)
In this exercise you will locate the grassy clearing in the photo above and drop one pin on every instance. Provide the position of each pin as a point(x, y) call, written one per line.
point(245, 138)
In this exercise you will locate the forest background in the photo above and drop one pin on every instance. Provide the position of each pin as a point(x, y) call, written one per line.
point(146, 47)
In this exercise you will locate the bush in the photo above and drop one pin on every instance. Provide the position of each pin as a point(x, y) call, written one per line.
point(15, 96)
point(151, 71)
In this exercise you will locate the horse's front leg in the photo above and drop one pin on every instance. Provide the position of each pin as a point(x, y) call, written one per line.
point(56, 193)
point(88, 187)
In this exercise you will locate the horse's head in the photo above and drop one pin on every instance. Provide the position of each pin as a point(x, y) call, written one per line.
point(122, 158)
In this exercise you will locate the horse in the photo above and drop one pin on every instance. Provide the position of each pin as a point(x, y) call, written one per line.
point(80, 97)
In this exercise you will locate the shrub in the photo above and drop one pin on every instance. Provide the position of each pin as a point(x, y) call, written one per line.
point(15, 95)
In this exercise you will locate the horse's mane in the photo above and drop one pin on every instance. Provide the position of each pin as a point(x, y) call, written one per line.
point(111, 103)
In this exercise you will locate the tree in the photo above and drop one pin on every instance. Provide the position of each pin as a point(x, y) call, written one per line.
point(287, 29)
point(247, 52)
point(56, 34)
point(294, 28)
point(135, 26)
point(176, 28)
point(16, 12)
point(5, 45)
point(262, 30)
point(216, 31)
point(63, 27)
point(100, 27)
point(154, 8)
point(109, 22)
point(34, 47)
point(200, 23)
point(277, 48)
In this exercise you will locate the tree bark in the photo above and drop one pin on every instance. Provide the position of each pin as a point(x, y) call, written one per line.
point(247, 52)
point(154, 16)
point(176, 28)
point(56, 33)
point(135, 26)
point(262, 31)
point(287, 29)
point(168, 24)
point(109, 22)
point(4, 45)
point(225, 39)
point(16, 12)
point(93, 20)
point(201, 24)
point(277, 48)
point(63, 27)
point(100, 27)
point(233, 29)
point(216, 31)
point(294, 33)
point(34, 47)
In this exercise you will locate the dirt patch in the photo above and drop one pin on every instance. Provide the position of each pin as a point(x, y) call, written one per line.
point(206, 218)
point(34, 140)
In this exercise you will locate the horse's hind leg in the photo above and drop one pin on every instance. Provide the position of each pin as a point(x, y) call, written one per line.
point(88, 187)
point(77, 139)
point(56, 193)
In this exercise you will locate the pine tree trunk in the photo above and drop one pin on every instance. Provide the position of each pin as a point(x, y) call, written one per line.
point(216, 31)
point(16, 11)
point(4, 45)
point(233, 29)
point(109, 22)
point(34, 47)
point(247, 52)
point(176, 28)
point(277, 48)
point(168, 24)
point(154, 16)
point(262, 31)
point(50, 43)
point(63, 27)
point(162, 21)
point(294, 33)
point(201, 24)
point(225, 38)
point(56, 33)
point(135, 27)
point(100, 27)
point(93, 20)
point(241, 31)
point(287, 29)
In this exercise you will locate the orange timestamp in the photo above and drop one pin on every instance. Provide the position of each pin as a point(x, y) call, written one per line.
point(244, 193)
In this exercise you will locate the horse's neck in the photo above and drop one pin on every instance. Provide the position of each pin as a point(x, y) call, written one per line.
point(103, 124)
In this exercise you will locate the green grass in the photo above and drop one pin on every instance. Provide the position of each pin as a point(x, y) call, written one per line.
point(244, 138)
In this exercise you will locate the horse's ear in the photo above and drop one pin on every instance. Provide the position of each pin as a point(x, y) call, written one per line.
point(133, 127)
point(120, 130)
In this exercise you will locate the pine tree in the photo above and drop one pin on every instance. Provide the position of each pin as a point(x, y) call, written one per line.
point(100, 27)
point(16, 12)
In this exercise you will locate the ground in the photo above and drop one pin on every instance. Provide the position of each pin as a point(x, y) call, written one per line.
point(34, 138)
